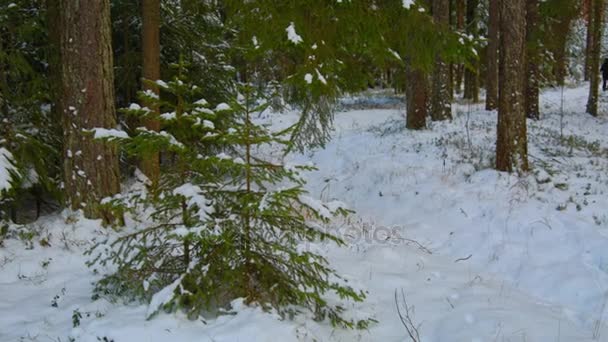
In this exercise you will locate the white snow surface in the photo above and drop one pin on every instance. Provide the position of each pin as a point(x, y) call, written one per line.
point(513, 258)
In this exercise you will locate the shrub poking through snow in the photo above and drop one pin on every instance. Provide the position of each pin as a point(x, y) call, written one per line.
point(228, 223)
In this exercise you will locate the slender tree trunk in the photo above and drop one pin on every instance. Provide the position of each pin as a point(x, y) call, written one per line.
point(560, 27)
point(150, 163)
point(595, 27)
point(416, 92)
point(492, 55)
point(53, 20)
point(130, 90)
point(4, 91)
point(441, 107)
point(471, 74)
point(512, 144)
point(460, 26)
point(532, 60)
point(589, 47)
point(90, 167)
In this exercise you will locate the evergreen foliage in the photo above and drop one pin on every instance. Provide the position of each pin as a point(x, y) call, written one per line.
point(28, 130)
point(191, 31)
point(228, 221)
point(318, 50)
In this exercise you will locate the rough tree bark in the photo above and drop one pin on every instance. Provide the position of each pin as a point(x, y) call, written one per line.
point(471, 74)
point(90, 167)
point(512, 144)
point(492, 56)
point(441, 107)
point(416, 93)
point(150, 163)
point(532, 60)
point(595, 27)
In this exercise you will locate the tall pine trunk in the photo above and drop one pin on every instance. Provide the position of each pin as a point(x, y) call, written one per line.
point(150, 163)
point(90, 167)
point(492, 56)
point(441, 108)
point(532, 60)
point(512, 144)
point(471, 74)
point(595, 28)
point(416, 93)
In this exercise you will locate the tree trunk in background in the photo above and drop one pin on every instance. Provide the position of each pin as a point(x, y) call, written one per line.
point(595, 27)
point(460, 23)
point(441, 107)
point(150, 163)
point(471, 76)
point(416, 92)
point(588, 52)
point(53, 20)
point(512, 144)
point(532, 60)
point(560, 27)
point(90, 167)
point(492, 55)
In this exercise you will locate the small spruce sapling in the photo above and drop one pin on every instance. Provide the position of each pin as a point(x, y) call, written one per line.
point(229, 222)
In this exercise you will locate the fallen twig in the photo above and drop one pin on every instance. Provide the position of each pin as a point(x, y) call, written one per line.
point(464, 259)
point(406, 317)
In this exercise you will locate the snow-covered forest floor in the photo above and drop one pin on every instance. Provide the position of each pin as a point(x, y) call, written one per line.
point(478, 255)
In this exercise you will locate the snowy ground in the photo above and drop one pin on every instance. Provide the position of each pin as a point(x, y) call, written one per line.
point(480, 255)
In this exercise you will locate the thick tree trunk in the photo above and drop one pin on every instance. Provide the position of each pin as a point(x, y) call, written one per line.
point(416, 92)
point(512, 144)
point(492, 56)
point(150, 163)
point(532, 60)
point(595, 27)
point(90, 166)
point(471, 74)
point(441, 107)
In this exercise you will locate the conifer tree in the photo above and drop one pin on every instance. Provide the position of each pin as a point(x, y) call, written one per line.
point(441, 108)
point(29, 129)
point(492, 56)
point(589, 5)
point(417, 98)
point(558, 17)
point(90, 167)
point(300, 44)
point(471, 72)
point(228, 222)
point(151, 71)
point(460, 10)
point(532, 59)
point(595, 27)
point(512, 141)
